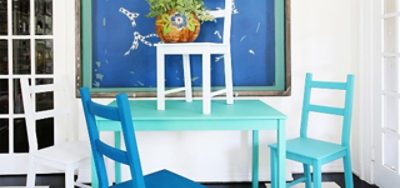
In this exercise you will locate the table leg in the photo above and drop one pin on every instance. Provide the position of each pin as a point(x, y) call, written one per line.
point(160, 80)
point(206, 83)
point(117, 140)
point(95, 181)
point(255, 159)
point(281, 154)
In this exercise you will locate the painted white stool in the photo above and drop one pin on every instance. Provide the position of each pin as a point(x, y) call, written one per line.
point(206, 49)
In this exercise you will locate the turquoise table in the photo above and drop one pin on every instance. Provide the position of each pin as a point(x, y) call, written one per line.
point(244, 115)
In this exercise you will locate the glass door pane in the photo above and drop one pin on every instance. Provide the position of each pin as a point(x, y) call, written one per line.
point(391, 6)
point(4, 131)
point(21, 17)
point(18, 103)
point(3, 57)
point(391, 35)
point(20, 136)
point(391, 152)
point(3, 16)
point(44, 17)
point(44, 56)
point(4, 98)
point(22, 57)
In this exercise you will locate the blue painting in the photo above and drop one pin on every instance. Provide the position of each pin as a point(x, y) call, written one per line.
point(124, 55)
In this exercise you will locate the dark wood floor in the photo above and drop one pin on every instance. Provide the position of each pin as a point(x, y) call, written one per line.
point(57, 181)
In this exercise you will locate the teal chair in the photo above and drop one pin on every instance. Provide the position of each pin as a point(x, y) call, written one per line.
point(315, 153)
point(130, 157)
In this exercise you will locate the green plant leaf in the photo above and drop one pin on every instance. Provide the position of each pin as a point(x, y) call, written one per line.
point(191, 27)
point(165, 17)
point(184, 7)
point(166, 28)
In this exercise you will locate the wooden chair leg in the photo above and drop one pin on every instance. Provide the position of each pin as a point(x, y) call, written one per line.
point(228, 78)
point(317, 176)
point(160, 80)
point(348, 174)
point(307, 175)
point(274, 168)
point(69, 178)
point(31, 178)
point(206, 83)
point(187, 77)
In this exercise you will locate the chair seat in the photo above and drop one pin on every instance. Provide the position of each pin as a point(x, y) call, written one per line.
point(65, 153)
point(311, 148)
point(163, 179)
point(191, 44)
point(193, 48)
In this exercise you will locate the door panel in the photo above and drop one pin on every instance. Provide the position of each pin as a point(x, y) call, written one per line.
point(28, 48)
point(387, 95)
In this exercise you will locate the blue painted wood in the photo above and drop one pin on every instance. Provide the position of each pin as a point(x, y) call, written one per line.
point(317, 175)
point(315, 153)
point(130, 157)
point(326, 109)
point(117, 143)
point(282, 154)
point(274, 169)
point(297, 181)
point(255, 158)
point(328, 85)
point(245, 115)
point(307, 175)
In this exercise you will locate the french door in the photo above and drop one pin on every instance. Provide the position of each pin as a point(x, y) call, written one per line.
point(387, 124)
point(28, 48)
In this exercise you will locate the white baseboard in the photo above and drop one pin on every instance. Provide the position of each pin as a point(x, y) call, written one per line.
point(324, 185)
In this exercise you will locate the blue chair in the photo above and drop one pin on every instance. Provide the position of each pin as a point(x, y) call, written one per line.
point(315, 153)
point(130, 157)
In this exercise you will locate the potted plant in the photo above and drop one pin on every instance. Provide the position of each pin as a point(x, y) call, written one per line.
point(178, 20)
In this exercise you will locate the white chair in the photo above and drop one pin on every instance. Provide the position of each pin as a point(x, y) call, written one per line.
point(206, 49)
point(67, 157)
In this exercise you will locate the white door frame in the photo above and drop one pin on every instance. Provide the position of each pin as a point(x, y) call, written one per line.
point(17, 163)
point(382, 176)
point(365, 90)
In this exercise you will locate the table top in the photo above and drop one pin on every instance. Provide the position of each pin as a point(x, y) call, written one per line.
point(182, 110)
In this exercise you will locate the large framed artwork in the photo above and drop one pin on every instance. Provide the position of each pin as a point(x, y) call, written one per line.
point(116, 53)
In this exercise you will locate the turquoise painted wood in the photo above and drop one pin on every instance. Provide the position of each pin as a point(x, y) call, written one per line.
point(130, 157)
point(244, 115)
point(315, 153)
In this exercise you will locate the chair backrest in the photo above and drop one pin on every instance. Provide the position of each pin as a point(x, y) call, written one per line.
point(121, 113)
point(345, 112)
point(226, 14)
point(28, 97)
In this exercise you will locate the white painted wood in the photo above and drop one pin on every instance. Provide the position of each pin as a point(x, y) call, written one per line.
point(68, 156)
point(69, 178)
point(17, 163)
point(386, 173)
point(391, 15)
point(175, 90)
point(43, 88)
point(228, 77)
point(391, 54)
point(30, 182)
point(206, 83)
point(302, 185)
point(187, 77)
point(391, 93)
point(217, 13)
point(199, 48)
point(160, 80)
point(219, 92)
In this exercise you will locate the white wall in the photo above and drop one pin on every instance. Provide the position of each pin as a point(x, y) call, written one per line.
point(324, 42)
